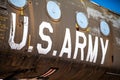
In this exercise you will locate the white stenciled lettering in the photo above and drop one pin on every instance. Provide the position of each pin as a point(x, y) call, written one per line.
point(92, 51)
point(44, 37)
point(13, 45)
point(67, 40)
point(104, 49)
point(79, 45)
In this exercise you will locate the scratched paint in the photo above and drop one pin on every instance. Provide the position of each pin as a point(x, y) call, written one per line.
point(67, 48)
point(96, 14)
point(117, 41)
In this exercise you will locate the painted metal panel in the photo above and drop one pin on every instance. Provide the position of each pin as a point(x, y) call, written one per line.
point(112, 5)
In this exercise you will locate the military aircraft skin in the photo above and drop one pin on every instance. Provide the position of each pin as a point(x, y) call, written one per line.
point(58, 40)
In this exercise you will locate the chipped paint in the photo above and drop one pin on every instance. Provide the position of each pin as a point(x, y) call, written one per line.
point(94, 13)
point(99, 15)
point(116, 22)
point(117, 41)
point(95, 31)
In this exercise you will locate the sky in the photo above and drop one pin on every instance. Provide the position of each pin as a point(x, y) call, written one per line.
point(112, 5)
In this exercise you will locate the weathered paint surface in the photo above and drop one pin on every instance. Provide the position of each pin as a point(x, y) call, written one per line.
point(35, 44)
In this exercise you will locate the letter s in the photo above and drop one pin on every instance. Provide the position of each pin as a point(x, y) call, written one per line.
point(44, 37)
